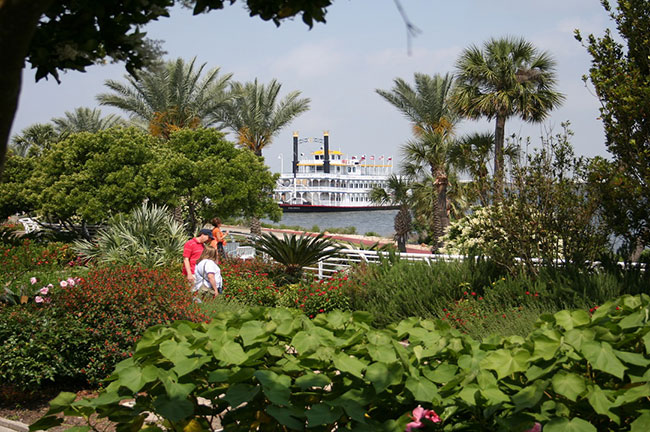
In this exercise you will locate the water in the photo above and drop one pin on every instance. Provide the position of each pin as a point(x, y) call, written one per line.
point(378, 221)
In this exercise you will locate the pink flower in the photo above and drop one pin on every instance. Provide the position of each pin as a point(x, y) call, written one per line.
point(420, 413)
point(33, 280)
point(38, 299)
point(44, 290)
point(50, 286)
point(63, 284)
point(536, 428)
point(71, 282)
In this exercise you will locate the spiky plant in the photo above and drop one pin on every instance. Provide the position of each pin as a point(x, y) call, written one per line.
point(295, 252)
point(149, 236)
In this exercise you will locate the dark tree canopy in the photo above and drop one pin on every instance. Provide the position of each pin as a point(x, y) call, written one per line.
point(620, 73)
point(55, 36)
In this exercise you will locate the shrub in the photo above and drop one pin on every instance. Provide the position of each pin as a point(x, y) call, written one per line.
point(277, 370)
point(16, 261)
point(318, 296)
point(40, 345)
point(116, 305)
point(251, 289)
point(148, 236)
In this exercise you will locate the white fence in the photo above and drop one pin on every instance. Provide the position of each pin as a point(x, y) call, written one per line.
point(348, 257)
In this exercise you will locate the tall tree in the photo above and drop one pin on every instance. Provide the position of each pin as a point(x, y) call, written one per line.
point(620, 73)
point(397, 192)
point(85, 120)
point(427, 106)
point(256, 115)
point(74, 34)
point(34, 138)
point(508, 77)
point(170, 96)
point(471, 154)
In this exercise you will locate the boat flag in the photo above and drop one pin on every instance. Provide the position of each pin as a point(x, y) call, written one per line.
point(390, 158)
point(372, 158)
point(354, 157)
point(363, 157)
point(381, 157)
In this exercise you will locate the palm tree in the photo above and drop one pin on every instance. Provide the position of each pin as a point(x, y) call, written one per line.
point(256, 116)
point(85, 120)
point(427, 106)
point(397, 192)
point(34, 138)
point(508, 77)
point(295, 252)
point(170, 96)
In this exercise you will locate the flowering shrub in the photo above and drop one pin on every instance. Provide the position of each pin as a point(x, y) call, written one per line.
point(40, 345)
point(118, 304)
point(16, 261)
point(251, 289)
point(318, 296)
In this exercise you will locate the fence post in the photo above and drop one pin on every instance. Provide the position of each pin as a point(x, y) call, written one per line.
point(320, 270)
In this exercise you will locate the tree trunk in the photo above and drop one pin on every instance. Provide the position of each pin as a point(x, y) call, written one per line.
point(18, 20)
point(442, 218)
point(499, 138)
point(256, 226)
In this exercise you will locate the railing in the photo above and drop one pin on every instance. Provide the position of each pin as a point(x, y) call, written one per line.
point(349, 257)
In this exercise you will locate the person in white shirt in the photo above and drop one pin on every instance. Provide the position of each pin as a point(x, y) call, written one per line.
point(207, 274)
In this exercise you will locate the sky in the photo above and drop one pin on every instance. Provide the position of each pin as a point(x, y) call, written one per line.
point(338, 65)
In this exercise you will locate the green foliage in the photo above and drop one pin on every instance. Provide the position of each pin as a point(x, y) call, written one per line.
point(316, 297)
point(89, 176)
point(255, 114)
point(18, 261)
point(296, 252)
point(258, 369)
point(116, 305)
point(548, 215)
point(148, 236)
point(14, 180)
point(620, 74)
point(169, 96)
point(40, 345)
point(200, 169)
point(393, 291)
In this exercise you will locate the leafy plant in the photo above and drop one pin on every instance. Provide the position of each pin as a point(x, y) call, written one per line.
point(148, 236)
point(40, 346)
point(296, 252)
point(274, 369)
point(116, 305)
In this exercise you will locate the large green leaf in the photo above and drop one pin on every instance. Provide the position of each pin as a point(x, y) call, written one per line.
point(602, 357)
point(445, 372)
point(175, 351)
point(322, 414)
point(346, 363)
point(276, 387)
point(378, 374)
point(251, 332)
point(530, 395)
point(173, 409)
point(382, 353)
point(311, 379)
point(187, 365)
point(566, 425)
point(230, 353)
point(546, 344)
point(504, 362)
point(641, 424)
point(239, 393)
point(601, 403)
point(569, 385)
point(422, 389)
point(286, 416)
point(305, 343)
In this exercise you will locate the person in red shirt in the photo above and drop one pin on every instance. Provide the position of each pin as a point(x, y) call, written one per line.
point(192, 251)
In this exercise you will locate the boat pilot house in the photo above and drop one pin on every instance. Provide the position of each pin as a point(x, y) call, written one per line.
point(328, 180)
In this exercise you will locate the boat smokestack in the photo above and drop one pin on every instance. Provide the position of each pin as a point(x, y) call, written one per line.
point(326, 151)
point(295, 153)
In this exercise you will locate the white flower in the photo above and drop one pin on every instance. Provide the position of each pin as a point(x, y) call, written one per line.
point(33, 280)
